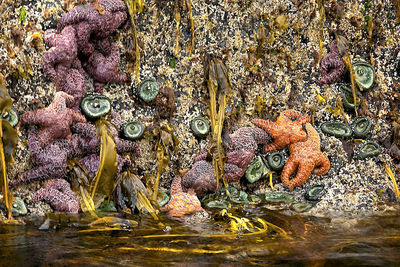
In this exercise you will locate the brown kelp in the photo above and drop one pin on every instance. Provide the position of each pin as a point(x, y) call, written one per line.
point(219, 85)
point(321, 9)
point(165, 144)
point(8, 143)
point(134, 7)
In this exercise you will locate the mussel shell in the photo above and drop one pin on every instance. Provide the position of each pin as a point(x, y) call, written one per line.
point(200, 127)
point(368, 149)
point(148, 90)
point(346, 94)
point(315, 192)
point(132, 130)
point(12, 117)
point(276, 160)
point(361, 127)
point(278, 197)
point(337, 129)
point(302, 207)
point(256, 170)
point(95, 106)
point(364, 74)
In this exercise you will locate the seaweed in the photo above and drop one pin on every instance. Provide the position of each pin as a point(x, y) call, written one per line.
point(321, 9)
point(135, 6)
point(165, 144)
point(219, 85)
point(183, 4)
point(8, 142)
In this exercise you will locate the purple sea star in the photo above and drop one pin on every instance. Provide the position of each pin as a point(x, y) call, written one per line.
point(59, 195)
point(63, 51)
point(103, 68)
point(332, 66)
point(88, 141)
point(89, 23)
point(54, 121)
point(75, 84)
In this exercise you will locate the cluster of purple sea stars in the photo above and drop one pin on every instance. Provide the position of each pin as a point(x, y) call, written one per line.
point(239, 154)
point(63, 131)
point(85, 31)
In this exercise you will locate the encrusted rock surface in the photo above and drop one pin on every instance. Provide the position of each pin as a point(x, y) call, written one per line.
point(284, 77)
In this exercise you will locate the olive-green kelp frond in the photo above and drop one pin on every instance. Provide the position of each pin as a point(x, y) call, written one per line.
point(219, 85)
point(8, 142)
point(185, 5)
point(103, 183)
point(321, 9)
point(166, 143)
point(135, 6)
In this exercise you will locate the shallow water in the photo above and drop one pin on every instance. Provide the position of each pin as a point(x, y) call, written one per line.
point(288, 239)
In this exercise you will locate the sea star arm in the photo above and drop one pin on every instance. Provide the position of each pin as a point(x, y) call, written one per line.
point(43, 172)
point(176, 185)
point(33, 117)
point(84, 129)
point(323, 164)
point(290, 167)
point(126, 146)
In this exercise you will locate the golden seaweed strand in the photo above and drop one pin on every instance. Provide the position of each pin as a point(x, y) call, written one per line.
point(6, 195)
point(321, 22)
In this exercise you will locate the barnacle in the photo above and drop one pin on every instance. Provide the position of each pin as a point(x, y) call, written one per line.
point(95, 106)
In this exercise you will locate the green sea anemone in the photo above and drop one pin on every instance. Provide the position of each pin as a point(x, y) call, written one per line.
point(132, 130)
point(95, 106)
point(276, 160)
point(361, 127)
point(368, 149)
point(11, 116)
point(315, 192)
point(148, 90)
point(256, 170)
point(347, 97)
point(365, 74)
point(337, 129)
point(200, 127)
point(277, 197)
point(302, 207)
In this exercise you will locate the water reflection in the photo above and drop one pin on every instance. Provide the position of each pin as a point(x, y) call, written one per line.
point(296, 240)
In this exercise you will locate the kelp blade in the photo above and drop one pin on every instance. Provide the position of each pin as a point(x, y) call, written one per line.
point(103, 183)
point(7, 197)
point(5, 99)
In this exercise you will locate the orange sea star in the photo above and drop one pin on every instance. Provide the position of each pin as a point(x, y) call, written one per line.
point(305, 156)
point(181, 203)
point(286, 130)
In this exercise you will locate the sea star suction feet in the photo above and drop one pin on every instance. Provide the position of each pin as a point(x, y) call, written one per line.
point(59, 195)
point(305, 157)
point(54, 121)
point(58, 59)
point(181, 203)
point(286, 130)
point(332, 66)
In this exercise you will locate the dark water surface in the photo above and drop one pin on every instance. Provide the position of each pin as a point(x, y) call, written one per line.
point(283, 239)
